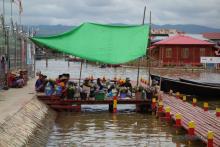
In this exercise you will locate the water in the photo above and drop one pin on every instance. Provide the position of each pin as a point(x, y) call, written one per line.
point(95, 126)
point(121, 129)
point(56, 67)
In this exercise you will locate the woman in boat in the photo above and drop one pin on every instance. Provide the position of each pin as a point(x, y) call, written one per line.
point(70, 92)
point(40, 83)
point(85, 89)
point(49, 88)
point(99, 84)
point(93, 88)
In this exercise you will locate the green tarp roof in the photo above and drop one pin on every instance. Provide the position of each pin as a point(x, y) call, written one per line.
point(103, 43)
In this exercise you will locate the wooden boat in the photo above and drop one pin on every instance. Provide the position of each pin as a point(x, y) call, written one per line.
point(200, 83)
point(109, 65)
point(186, 87)
point(74, 59)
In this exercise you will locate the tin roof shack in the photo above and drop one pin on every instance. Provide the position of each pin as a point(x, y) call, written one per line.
point(181, 50)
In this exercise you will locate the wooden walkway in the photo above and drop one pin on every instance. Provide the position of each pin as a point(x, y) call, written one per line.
point(59, 101)
point(204, 121)
point(71, 104)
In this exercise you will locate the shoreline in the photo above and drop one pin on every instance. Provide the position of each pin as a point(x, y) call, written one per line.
point(24, 120)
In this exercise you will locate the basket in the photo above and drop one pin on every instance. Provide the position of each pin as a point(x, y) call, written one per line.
point(100, 96)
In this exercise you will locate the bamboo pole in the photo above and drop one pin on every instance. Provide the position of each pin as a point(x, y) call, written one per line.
point(149, 66)
point(11, 15)
point(80, 74)
point(138, 74)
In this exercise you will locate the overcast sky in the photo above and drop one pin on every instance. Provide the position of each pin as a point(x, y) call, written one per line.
point(75, 12)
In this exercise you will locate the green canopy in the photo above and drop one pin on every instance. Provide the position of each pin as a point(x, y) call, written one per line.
point(103, 43)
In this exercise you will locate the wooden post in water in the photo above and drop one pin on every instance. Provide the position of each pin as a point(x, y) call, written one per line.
point(149, 66)
point(139, 58)
point(80, 74)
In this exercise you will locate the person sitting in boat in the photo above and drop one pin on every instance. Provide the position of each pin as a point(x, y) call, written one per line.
point(67, 77)
point(111, 91)
point(49, 88)
point(70, 92)
point(93, 87)
point(99, 84)
point(63, 83)
point(39, 85)
point(85, 89)
point(78, 90)
point(128, 85)
point(152, 90)
point(59, 89)
point(19, 81)
point(58, 79)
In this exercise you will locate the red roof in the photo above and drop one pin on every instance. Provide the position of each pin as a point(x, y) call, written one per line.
point(182, 40)
point(211, 35)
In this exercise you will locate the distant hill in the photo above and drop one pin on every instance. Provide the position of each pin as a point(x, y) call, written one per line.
point(44, 30)
point(190, 29)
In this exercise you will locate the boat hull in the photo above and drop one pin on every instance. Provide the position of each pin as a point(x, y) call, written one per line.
point(194, 89)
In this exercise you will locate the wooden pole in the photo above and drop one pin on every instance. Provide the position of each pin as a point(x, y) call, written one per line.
point(34, 56)
point(138, 74)
point(80, 74)
point(46, 60)
point(68, 63)
point(3, 13)
point(16, 33)
point(149, 70)
point(11, 15)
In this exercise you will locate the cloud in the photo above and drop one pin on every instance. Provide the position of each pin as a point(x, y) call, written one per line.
point(75, 12)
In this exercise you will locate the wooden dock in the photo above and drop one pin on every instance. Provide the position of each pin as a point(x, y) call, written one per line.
point(70, 104)
point(204, 120)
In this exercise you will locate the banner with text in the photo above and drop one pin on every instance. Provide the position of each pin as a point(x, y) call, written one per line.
point(209, 59)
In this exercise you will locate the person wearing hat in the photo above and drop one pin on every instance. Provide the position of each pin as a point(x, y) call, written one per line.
point(127, 84)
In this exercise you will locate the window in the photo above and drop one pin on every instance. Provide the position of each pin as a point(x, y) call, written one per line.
point(185, 53)
point(202, 52)
point(168, 52)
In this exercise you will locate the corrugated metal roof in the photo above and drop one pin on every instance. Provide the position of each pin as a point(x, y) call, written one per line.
point(182, 40)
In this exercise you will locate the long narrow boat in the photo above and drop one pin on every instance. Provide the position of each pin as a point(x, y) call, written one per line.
point(200, 83)
point(203, 91)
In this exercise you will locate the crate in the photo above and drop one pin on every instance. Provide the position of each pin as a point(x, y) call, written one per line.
point(100, 96)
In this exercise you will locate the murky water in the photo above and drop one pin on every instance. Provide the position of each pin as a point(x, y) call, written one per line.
point(95, 126)
point(121, 129)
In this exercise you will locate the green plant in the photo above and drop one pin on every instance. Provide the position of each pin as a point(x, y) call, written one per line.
point(123, 90)
point(138, 89)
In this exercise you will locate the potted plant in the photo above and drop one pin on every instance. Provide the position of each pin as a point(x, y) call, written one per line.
point(138, 90)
